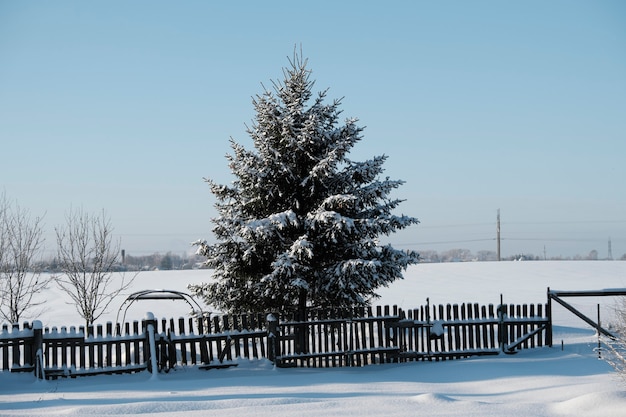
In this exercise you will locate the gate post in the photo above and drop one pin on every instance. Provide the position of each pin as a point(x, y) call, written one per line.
point(151, 344)
point(549, 317)
point(37, 350)
point(273, 347)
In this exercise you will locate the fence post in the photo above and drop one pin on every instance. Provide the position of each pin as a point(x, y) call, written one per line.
point(273, 347)
point(549, 314)
point(502, 330)
point(149, 328)
point(428, 329)
point(15, 330)
point(599, 334)
point(37, 350)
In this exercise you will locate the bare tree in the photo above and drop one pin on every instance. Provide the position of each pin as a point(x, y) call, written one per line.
point(88, 257)
point(21, 244)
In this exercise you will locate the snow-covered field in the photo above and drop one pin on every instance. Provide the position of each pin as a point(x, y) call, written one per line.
point(568, 381)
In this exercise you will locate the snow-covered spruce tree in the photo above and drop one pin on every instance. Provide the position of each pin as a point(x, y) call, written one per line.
point(299, 226)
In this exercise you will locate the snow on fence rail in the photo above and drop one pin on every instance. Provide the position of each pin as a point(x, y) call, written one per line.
point(325, 338)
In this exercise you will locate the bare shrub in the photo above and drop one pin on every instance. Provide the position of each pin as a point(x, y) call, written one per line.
point(615, 353)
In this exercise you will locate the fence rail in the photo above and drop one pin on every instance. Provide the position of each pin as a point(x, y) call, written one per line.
point(324, 338)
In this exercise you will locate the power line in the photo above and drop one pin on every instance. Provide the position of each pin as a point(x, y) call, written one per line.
point(505, 223)
point(444, 242)
point(438, 242)
point(570, 222)
point(536, 239)
point(441, 226)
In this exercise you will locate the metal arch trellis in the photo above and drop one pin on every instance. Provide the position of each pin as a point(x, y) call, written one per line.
point(156, 294)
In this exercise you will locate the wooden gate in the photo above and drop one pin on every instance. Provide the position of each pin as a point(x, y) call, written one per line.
point(556, 295)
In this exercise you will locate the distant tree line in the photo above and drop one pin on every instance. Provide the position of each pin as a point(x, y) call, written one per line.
point(170, 261)
point(466, 255)
point(162, 262)
point(134, 263)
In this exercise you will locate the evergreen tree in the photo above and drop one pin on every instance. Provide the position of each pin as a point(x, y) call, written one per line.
point(299, 225)
point(166, 263)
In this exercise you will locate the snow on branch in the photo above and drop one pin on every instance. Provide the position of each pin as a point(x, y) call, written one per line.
point(277, 221)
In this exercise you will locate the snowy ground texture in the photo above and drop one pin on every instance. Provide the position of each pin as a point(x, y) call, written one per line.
point(568, 381)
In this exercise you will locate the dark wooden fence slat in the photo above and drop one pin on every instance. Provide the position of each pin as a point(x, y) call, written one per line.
point(258, 323)
point(5, 350)
point(457, 329)
point(513, 327)
point(245, 339)
point(540, 335)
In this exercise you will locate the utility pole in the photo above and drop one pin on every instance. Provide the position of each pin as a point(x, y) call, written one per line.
point(610, 251)
point(498, 235)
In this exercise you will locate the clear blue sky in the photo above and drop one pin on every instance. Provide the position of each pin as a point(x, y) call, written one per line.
point(481, 105)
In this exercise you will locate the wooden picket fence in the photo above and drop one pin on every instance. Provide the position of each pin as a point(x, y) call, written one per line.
point(390, 334)
point(206, 342)
point(325, 338)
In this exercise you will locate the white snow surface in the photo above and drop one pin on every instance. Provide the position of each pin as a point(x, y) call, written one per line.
point(565, 380)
